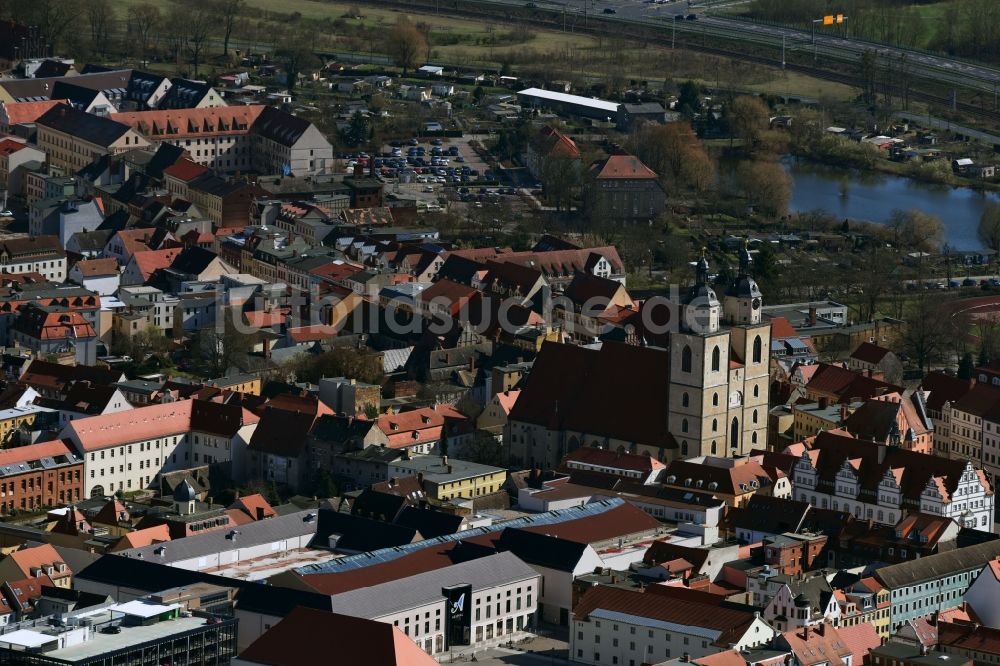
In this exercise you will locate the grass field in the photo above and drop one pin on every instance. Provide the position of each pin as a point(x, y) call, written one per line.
point(456, 40)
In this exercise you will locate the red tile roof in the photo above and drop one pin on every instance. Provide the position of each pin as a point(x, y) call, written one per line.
point(860, 639)
point(250, 504)
point(191, 123)
point(312, 333)
point(28, 112)
point(868, 352)
point(150, 261)
point(292, 642)
point(820, 644)
point(141, 538)
point(781, 328)
point(944, 388)
point(139, 424)
point(624, 167)
point(40, 556)
point(665, 609)
point(97, 267)
point(969, 637)
point(591, 456)
point(185, 170)
point(32, 452)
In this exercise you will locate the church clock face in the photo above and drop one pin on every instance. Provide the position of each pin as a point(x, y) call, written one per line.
point(755, 304)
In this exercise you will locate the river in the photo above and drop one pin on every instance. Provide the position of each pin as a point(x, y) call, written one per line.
point(872, 196)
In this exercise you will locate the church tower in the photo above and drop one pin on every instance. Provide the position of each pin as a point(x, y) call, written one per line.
point(699, 372)
point(751, 350)
point(743, 299)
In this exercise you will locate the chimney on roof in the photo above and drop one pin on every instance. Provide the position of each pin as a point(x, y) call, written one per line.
point(824, 402)
point(843, 413)
point(812, 315)
point(821, 628)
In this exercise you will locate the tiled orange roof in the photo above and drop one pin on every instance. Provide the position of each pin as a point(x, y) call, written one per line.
point(144, 537)
point(140, 424)
point(97, 267)
point(191, 123)
point(185, 170)
point(149, 261)
point(32, 452)
point(625, 167)
point(27, 559)
point(28, 112)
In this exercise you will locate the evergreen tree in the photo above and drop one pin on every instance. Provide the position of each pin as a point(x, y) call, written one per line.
point(966, 366)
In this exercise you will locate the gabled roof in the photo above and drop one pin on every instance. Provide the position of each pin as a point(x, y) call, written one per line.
point(191, 123)
point(541, 549)
point(29, 112)
point(933, 567)
point(729, 623)
point(821, 644)
point(847, 385)
point(145, 537)
point(35, 557)
point(141, 423)
point(292, 641)
point(185, 170)
point(868, 352)
point(93, 268)
point(254, 506)
point(282, 432)
point(98, 130)
point(623, 167)
point(583, 406)
point(944, 388)
point(147, 262)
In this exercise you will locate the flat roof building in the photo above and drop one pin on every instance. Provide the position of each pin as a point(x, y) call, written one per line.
point(575, 105)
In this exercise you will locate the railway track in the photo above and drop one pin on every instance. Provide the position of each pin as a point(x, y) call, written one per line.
point(688, 38)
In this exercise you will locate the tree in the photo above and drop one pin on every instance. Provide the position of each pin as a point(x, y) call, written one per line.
point(766, 186)
point(228, 11)
point(359, 130)
point(927, 333)
point(748, 117)
point(989, 226)
point(143, 21)
point(295, 56)
point(916, 231)
point(199, 25)
point(405, 44)
point(689, 98)
point(674, 152)
point(966, 366)
point(560, 176)
point(100, 18)
point(223, 346)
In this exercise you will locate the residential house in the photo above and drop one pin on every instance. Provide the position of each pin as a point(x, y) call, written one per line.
point(874, 360)
point(72, 138)
point(929, 584)
point(34, 254)
point(882, 483)
point(52, 329)
point(618, 626)
point(623, 190)
point(98, 275)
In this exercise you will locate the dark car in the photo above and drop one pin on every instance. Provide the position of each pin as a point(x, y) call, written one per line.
point(111, 629)
point(678, 17)
point(691, 17)
point(968, 282)
point(531, 5)
point(610, 10)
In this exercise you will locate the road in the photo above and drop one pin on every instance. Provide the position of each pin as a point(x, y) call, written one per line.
point(824, 45)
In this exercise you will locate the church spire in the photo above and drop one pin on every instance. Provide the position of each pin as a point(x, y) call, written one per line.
point(745, 259)
point(701, 269)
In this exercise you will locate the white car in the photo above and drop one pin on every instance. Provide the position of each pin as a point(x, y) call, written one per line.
point(428, 188)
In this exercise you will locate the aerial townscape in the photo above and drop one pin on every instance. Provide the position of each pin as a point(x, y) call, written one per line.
point(406, 332)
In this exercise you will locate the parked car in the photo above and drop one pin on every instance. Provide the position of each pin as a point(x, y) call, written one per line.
point(691, 17)
point(610, 10)
point(968, 282)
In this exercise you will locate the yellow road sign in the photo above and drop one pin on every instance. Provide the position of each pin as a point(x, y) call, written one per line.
point(828, 19)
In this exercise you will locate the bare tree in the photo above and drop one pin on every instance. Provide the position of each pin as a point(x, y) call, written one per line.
point(100, 17)
point(405, 44)
point(199, 26)
point(228, 12)
point(927, 334)
point(766, 186)
point(989, 226)
point(748, 118)
point(143, 22)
